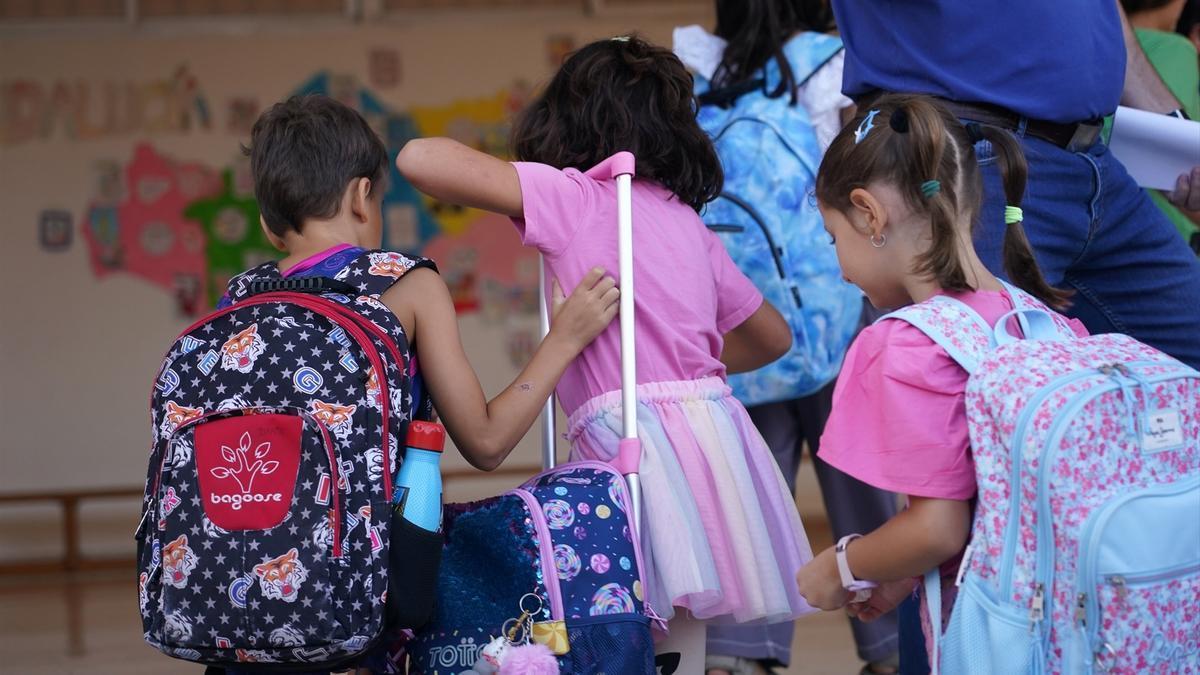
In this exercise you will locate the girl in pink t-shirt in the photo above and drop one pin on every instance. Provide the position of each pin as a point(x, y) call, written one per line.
point(721, 531)
point(899, 189)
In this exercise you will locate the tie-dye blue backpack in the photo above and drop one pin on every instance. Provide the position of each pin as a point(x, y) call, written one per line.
point(771, 227)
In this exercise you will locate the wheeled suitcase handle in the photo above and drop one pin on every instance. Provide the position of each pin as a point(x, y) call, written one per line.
point(620, 167)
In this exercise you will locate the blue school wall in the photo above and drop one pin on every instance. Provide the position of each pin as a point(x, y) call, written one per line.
point(126, 203)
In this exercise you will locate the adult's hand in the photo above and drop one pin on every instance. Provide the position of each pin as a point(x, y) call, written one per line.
point(1186, 194)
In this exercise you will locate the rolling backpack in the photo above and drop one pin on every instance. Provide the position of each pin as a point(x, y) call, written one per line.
point(769, 223)
point(1084, 553)
point(559, 551)
point(558, 560)
point(266, 538)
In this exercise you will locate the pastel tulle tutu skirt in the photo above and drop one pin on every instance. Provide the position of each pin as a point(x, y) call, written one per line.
point(720, 532)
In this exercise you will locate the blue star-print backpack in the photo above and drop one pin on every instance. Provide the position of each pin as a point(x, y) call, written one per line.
point(266, 535)
point(771, 227)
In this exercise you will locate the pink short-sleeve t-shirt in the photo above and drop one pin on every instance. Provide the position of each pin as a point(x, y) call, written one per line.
point(689, 292)
point(899, 420)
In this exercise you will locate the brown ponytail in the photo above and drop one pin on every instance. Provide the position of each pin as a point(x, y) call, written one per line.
point(1019, 262)
point(934, 157)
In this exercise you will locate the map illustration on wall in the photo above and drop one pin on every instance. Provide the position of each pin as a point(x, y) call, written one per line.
point(187, 227)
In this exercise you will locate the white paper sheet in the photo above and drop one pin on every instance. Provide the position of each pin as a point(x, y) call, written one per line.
point(1155, 148)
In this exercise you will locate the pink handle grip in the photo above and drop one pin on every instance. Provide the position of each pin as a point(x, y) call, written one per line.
point(629, 456)
point(620, 164)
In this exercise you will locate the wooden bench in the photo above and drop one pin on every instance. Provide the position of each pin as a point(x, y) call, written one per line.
point(72, 559)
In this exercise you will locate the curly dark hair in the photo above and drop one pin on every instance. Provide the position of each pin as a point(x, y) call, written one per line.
point(623, 94)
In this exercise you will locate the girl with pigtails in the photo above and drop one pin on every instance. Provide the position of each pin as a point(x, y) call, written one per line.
point(900, 191)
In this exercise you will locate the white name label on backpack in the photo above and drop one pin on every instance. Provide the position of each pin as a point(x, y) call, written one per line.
point(1161, 431)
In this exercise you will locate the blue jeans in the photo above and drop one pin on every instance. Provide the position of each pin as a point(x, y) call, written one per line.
point(1095, 231)
point(914, 658)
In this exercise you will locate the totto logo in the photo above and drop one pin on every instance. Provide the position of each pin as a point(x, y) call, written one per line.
point(244, 469)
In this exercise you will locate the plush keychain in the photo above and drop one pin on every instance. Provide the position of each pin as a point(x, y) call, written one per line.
point(530, 658)
point(512, 653)
point(492, 656)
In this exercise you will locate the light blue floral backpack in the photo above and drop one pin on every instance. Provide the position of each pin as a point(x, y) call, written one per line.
point(769, 223)
point(1084, 554)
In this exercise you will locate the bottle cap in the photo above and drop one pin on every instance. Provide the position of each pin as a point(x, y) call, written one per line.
point(426, 436)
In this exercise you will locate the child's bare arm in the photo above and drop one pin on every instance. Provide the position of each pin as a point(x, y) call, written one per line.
point(757, 341)
point(926, 534)
point(452, 172)
point(486, 431)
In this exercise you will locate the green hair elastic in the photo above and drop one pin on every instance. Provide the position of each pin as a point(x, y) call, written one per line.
point(930, 188)
point(1013, 214)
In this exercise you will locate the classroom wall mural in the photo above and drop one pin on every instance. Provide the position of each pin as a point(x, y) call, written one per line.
point(129, 203)
point(187, 228)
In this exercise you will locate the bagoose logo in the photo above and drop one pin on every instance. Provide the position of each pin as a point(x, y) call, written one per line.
point(247, 466)
point(241, 470)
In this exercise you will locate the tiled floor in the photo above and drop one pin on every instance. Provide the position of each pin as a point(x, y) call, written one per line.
point(89, 624)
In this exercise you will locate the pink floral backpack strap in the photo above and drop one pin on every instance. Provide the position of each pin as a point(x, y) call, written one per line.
point(953, 326)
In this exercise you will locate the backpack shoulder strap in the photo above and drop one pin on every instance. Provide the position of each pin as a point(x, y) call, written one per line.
point(369, 273)
point(953, 326)
point(373, 272)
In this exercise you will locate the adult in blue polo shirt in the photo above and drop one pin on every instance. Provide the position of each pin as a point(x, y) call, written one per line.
point(1048, 70)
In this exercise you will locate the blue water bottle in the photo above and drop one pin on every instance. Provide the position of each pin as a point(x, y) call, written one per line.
point(418, 496)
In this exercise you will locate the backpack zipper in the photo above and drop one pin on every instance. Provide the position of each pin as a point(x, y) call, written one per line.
point(1027, 414)
point(1088, 554)
point(1044, 561)
point(776, 252)
point(331, 454)
point(545, 552)
point(1037, 608)
point(334, 490)
point(626, 507)
point(1013, 530)
point(1122, 582)
point(352, 323)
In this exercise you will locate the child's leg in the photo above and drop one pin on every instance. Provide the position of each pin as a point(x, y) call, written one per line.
point(686, 640)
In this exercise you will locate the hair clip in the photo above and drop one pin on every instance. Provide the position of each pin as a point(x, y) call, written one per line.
point(899, 121)
point(1013, 214)
point(865, 127)
point(620, 38)
point(930, 188)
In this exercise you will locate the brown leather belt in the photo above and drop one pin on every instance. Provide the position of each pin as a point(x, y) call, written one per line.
point(1075, 136)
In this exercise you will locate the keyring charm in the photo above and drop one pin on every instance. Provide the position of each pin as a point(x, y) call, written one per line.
point(532, 612)
point(518, 625)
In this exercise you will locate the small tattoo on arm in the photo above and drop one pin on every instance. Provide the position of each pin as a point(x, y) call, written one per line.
point(525, 386)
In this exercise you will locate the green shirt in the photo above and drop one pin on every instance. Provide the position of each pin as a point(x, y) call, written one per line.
point(1174, 57)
